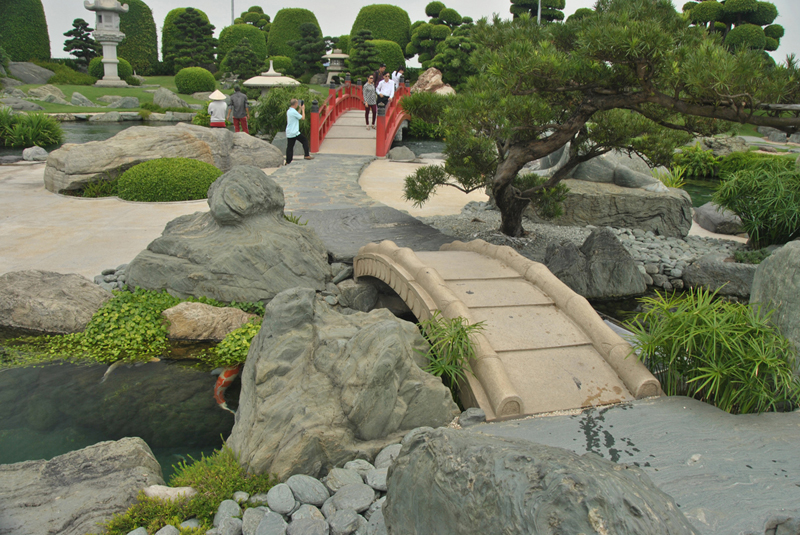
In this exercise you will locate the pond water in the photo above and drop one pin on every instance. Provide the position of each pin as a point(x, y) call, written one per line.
point(701, 191)
point(53, 409)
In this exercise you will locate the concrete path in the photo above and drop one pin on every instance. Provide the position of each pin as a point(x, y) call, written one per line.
point(727, 473)
point(350, 136)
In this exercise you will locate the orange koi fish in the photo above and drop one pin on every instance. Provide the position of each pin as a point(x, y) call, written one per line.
point(225, 380)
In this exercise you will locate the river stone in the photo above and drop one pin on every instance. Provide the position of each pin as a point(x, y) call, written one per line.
point(608, 205)
point(307, 511)
point(280, 499)
point(357, 497)
point(198, 321)
point(45, 90)
point(777, 285)
point(272, 524)
point(72, 493)
point(320, 388)
point(229, 526)
point(433, 488)
point(162, 492)
point(138, 531)
point(340, 477)
point(360, 296)
point(713, 272)
point(17, 104)
point(375, 507)
point(251, 519)
point(108, 117)
point(49, 302)
point(241, 250)
point(715, 218)
point(377, 479)
point(167, 99)
point(387, 455)
point(34, 154)
point(240, 497)
point(402, 154)
point(74, 165)
point(359, 465)
point(171, 530)
point(308, 526)
point(226, 509)
point(127, 102)
point(308, 490)
point(377, 524)
point(345, 522)
point(29, 73)
point(79, 100)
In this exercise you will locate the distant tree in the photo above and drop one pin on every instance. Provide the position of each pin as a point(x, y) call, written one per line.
point(243, 61)
point(386, 22)
point(81, 45)
point(285, 28)
point(309, 50)
point(170, 33)
point(140, 46)
point(194, 44)
point(23, 30)
point(427, 37)
point(552, 10)
point(742, 23)
point(255, 16)
point(364, 59)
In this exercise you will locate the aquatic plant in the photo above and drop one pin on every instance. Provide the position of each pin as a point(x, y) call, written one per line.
point(232, 350)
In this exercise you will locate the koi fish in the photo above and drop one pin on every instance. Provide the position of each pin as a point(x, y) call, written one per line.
point(225, 380)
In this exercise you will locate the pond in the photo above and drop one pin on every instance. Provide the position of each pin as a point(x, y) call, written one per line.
point(701, 191)
point(56, 408)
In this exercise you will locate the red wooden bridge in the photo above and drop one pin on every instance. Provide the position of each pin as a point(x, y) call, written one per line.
point(349, 98)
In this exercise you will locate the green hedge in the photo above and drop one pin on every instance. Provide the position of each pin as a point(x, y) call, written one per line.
point(124, 69)
point(386, 22)
point(140, 46)
point(286, 28)
point(167, 179)
point(193, 79)
point(752, 161)
point(23, 30)
point(65, 75)
point(390, 53)
point(230, 36)
point(169, 32)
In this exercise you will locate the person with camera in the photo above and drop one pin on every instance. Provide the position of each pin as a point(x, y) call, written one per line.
point(293, 134)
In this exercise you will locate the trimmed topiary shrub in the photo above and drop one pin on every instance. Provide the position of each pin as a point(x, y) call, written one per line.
point(775, 31)
point(285, 28)
point(386, 22)
point(124, 69)
point(140, 46)
point(193, 79)
point(23, 30)
point(343, 43)
point(389, 53)
point(169, 33)
point(230, 36)
point(706, 11)
point(282, 64)
point(166, 180)
point(746, 35)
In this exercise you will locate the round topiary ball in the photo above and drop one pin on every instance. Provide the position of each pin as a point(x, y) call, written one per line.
point(193, 79)
point(124, 69)
point(746, 35)
point(167, 179)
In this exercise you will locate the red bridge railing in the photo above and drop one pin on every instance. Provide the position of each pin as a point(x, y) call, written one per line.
point(350, 97)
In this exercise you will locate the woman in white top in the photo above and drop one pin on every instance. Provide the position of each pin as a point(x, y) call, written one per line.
point(385, 90)
point(370, 101)
point(217, 109)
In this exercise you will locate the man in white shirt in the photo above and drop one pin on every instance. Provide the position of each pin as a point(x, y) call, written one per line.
point(396, 75)
point(385, 90)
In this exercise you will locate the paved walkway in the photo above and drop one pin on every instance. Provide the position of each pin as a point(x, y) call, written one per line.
point(350, 136)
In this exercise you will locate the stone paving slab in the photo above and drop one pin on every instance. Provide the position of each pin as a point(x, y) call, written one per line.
point(528, 327)
point(349, 136)
point(483, 293)
point(461, 265)
point(727, 473)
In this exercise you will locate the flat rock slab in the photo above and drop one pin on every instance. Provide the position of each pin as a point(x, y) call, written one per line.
point(346, 230)
point(728, 474)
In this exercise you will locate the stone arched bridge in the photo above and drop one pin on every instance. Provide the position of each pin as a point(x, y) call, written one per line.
point(543, 349)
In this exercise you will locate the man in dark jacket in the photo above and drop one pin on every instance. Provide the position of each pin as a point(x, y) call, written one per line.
point(240, 109)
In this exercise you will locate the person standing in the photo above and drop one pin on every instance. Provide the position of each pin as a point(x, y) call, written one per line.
point(385, 90)
point(396, 75)
point(217, 108)
point(293, 118)
point(379, 73)
point(370, 101)
point(240, 109)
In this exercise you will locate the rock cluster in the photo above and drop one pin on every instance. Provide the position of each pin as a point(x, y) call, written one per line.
point(430, 81)
point(113, 278)
point(320, 388)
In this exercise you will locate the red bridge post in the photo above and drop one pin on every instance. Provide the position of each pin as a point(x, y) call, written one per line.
point(380, 132)
point(314, 120)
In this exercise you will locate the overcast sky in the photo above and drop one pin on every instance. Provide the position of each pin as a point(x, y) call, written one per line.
point(336, 18)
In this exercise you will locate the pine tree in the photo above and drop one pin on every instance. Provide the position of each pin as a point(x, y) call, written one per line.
point(364, 60)
point(742, 23)
point(195, 45)
point(242, 61)
point(310, 49)
point(552, 10)
point(82, 45)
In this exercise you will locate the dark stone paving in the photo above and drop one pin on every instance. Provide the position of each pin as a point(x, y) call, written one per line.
point(325, 193)
point(729, 474)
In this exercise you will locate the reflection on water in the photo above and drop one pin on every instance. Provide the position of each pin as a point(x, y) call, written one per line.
point(701, 191)
point(53, 409)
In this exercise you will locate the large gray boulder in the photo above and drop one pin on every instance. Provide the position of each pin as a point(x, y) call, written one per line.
point(45, 90)
point(7, 83)
point(74, 165)
point(777, 285)
point(320, 388)
point(715, 218)
point(241, 250)
point(48, 302)
point(723, 146)
point(72, 493)
point(17, 104)
point(167, 99)
point(608, 205)
point(13, 92)
point(600, 268)
point(629, 171)
point(717, 272)
point(452, 481)
point(79, 100)
point(29, 73)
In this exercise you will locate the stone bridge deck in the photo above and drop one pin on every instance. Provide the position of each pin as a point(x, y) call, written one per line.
point(543, 347)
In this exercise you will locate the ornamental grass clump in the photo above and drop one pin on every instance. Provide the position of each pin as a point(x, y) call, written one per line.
point(167, 179)
point(726, 354)
point(24, 130)
point(767, 199)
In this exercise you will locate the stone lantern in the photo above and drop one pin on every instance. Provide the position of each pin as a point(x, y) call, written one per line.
point(269, 79)
point(107, 34)
point(336, 66)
